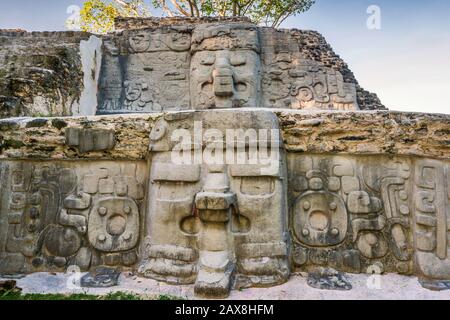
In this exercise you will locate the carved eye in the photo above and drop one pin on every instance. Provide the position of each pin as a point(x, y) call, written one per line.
point(257, 185)
point(138, 38)
point(159, 130)
point(241, 87)
point(208, 61)
point(236, 60)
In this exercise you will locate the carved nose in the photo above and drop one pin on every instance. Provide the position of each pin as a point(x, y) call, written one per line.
point(223, 82)
point(215, 207)
point(215, 201)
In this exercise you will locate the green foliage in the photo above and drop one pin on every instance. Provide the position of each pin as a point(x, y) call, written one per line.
point(16, 295)
point(121, 296)
point(169, 297)
point(98, 16)
point(267, 12)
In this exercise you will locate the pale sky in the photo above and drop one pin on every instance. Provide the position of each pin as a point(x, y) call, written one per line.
point(406, 62)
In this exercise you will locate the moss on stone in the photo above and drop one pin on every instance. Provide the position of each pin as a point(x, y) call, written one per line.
point(12, 144)
point(59, 124)
point(37, 123)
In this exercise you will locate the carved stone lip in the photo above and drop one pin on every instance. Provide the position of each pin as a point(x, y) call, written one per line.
point(214, 200)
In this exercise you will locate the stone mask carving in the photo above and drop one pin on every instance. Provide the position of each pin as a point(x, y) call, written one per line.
point(224, 68)
point(224, 79)
point(204, 218)
point(216, 66)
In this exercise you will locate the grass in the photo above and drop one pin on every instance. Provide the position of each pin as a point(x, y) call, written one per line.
point(15, 295)
point(169, 297)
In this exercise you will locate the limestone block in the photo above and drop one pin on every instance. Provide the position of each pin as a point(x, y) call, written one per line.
point(86, 140)
point(148, 69)
point(431, 218)
point(321, 219)
point(291, 81)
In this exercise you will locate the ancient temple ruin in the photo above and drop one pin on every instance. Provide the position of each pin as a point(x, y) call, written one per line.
point(91, 125)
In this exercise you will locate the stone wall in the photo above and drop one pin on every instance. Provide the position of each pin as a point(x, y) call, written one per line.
point(315, 47)
point(356, 191)
point(151, 66)
point(358, 133)
point(248, 158)
point(47, 73)
point(155, 22)
point(72, 73)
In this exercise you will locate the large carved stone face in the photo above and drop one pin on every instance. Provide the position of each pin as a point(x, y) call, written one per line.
point(216, 66)
point(178, 41)
point(224, 79)
point(140, 42)
point(225, 67)
point(204, 214)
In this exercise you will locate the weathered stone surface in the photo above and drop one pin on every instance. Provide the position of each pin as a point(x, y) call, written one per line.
point(375, 229)
point(310, 44)
point(201, 215)
point(234, 197)
point(9, 286)
point(328, 279)
point(101, 277)
point(150, 65)
point(131, 137)
point(46, 73)
point(391, 133)
point(86, 140)
point(223, 226)
point(435, 285)
point(154, 22)
point(213, 64)
point(313, 46)
point(359, 133)
point(59, 214)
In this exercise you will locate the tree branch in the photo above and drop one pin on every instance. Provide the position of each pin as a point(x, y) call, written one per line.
point(247, 6)
point(197, 11)
point(126, 6)
point(179, 8)
point(166, 9)
point(191, 8)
